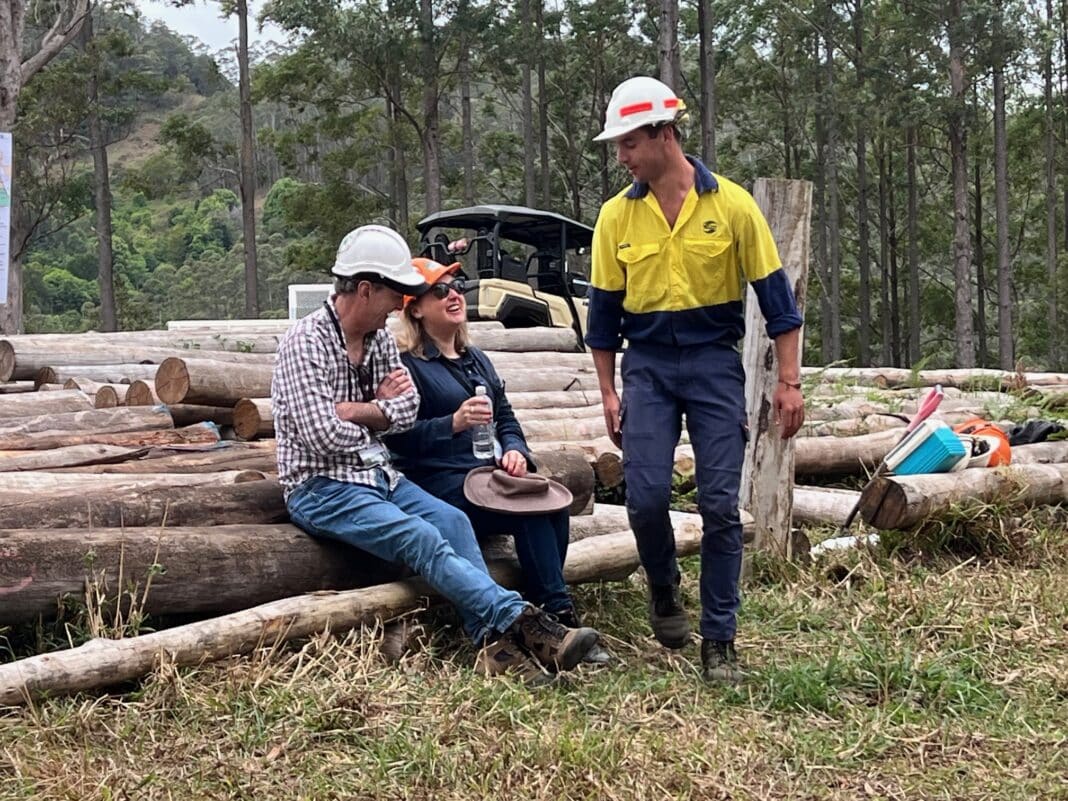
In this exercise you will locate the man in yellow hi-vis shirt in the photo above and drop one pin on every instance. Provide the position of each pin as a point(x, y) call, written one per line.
point(669, 256)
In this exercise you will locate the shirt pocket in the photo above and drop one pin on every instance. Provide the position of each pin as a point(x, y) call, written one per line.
point(711, 272)
point(647, 279)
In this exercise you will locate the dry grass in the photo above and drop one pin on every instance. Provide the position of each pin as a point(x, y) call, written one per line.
point(873, 677)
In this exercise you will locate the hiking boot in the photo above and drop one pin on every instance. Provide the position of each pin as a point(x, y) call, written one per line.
point(719, 662)
point(554, 645)
point(670, 625)
point(506, 657)
point(598, 654)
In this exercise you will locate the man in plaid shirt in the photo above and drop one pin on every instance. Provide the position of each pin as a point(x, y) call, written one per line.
point(338, 388)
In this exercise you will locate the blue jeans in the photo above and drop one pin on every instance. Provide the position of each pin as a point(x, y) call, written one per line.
point(707, 384)
point(409, 526)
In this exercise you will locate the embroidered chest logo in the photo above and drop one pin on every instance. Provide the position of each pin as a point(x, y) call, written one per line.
point(709, 226)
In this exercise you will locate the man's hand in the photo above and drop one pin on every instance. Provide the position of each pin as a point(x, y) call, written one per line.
point(789, 409)
point(457, 246)
point(612, 421)
point(472, 412)
point(514, 463)
point(394, 385)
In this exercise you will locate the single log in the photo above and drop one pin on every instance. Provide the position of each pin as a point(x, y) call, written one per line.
point(820, 506)
point(45, 483)
point(1041, 453)
point(101, 663)
point(52, 388)
point(253, 418)
point(901, 502)
point(201, 433)
point(608, 470)
point(210, 383)
point(73, 456)
point(856, 426)
point(142, 393)
point(843, 455)
point(573, 413)
point(181, 504)
point(570, 468)
point(15, 387)
point(111, 395)
point(526, 339)
point(576, 397)
point(36, 404)
point(84, 384)
point(187, 414)
point(564, 430)
point(223, 456)
point(104, 421)
point(103, 373)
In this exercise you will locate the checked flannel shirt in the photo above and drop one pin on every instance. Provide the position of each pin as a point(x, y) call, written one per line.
point(311, 375)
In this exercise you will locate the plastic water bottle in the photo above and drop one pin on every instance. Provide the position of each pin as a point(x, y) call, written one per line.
point(482, 435)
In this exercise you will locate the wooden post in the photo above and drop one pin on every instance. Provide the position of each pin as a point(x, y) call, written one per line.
point(767, 478)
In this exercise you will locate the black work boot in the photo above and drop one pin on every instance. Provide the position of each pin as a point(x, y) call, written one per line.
point(670, 625)
point(597, 655)
point(719, 662)
point(554, 645)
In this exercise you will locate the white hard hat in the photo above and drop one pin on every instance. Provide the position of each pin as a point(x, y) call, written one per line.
point(638, 102)
point(380, 251)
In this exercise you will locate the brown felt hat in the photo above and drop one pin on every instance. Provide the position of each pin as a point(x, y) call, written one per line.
point(492, 488)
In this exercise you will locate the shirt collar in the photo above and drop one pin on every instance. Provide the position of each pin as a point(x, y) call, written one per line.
point(703, 181)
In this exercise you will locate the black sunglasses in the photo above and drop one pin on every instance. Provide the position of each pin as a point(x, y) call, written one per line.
point(441, 290)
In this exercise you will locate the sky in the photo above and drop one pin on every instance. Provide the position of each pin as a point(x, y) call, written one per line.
point(201, 19)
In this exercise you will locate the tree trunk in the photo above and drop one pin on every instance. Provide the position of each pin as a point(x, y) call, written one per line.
point(827, 300)
point(962, 257)
point(706, 62)
point(431, 165)
point(526, 24)
point(102, 189)
point(1050, 154)
point(248, 166)
point(885, 323)
point(670, 70)
point(1006, 348)
point(980, 266)
point(543, 107)
point(902, 502)
point(467, 135)
point(210, 383)
point(913, 226)
point(863, 245)
point(767, 480)
point(834, 264)
point(895, 294)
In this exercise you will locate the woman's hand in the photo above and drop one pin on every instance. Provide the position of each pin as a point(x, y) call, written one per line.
point(514, 463)
point(472, 412)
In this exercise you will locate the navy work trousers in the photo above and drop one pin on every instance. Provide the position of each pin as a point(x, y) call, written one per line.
point(706, 383)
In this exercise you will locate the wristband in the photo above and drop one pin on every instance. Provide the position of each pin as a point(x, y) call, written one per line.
point(791, 386)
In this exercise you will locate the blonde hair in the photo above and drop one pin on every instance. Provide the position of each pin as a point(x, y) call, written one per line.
point(412, 336)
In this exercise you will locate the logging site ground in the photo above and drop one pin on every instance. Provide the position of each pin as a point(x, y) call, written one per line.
point(933, 667)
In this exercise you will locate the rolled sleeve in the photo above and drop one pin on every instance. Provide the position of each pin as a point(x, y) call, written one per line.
point(777, 304)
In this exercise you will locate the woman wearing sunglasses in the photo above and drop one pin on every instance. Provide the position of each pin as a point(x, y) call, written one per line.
point(437, 452)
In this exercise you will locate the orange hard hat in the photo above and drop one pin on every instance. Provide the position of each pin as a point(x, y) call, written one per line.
point(997, 448)
point(432, 272)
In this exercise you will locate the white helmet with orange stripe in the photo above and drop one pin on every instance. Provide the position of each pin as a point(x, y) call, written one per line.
point(638, 102)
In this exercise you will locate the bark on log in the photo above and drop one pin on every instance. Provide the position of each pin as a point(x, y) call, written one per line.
point(843, 455)
point(180, 504)
point(101, 663)
point(199, 434)
point(73, 456)
point(253, 418)
point(232, 456)
point(15, 387)
point(111, 395)
point(1041, 453)
point(820, 506)
point(574, 397)
point(210, 383)
point(968, 379)
point(35, 404)
point(104, 421)
point(84, 384)
point(526, 339)
point(902, 502)
point(572, 469)
point(102, 373)
point(768, 475)
point(51, 388)
point(49, 483)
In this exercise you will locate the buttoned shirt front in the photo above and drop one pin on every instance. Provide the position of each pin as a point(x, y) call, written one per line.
point(311, 376)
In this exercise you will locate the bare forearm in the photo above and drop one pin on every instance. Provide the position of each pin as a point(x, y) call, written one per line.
point(363, 414)
point(786, 350)
point(604, 361)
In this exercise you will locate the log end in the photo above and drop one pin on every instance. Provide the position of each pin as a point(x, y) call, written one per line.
point(172, 380)
point(246, 419)
point(46, 375)
point(140, 394)
point(7, 361)
point(883, 504)
point(106, 398)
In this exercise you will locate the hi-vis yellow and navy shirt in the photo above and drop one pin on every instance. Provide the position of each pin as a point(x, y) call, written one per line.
point(683, 286)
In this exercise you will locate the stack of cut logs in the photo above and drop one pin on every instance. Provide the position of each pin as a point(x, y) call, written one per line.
point(148, 457)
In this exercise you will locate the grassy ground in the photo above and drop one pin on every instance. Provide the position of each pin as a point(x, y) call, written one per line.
point(909, 675)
